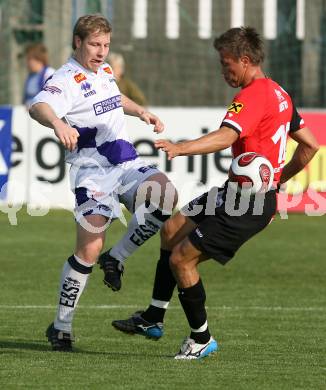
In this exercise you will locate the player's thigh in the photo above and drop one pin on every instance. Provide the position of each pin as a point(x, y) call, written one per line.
point(175, 230)
point(141, 182)
point(91, 236)
point(95, 192)
point(186, 256)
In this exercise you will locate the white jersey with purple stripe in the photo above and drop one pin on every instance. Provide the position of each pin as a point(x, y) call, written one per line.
point(91, 103)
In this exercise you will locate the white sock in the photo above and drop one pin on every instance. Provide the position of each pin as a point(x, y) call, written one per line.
point(142, 226)
point(73, 281)
point(160, 304)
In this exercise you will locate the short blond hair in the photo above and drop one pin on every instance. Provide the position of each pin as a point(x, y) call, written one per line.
point(89, 24)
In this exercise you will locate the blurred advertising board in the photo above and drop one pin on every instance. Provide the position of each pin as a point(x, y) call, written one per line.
point(306, 192)
point(39, 176)
point(5, 148)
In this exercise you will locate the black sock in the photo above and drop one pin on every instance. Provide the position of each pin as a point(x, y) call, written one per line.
point(164, 285)
point(193, 302)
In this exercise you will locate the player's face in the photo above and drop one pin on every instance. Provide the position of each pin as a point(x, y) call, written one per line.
point(92, 51)
point(34, 65)
point(232, 69)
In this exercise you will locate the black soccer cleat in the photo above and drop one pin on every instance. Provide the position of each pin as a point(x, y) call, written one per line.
point(59, 339)
point(137, 325)
point(113, 270)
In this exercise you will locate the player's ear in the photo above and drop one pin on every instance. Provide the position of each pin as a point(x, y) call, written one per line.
point(77, 41)
point(245, 61)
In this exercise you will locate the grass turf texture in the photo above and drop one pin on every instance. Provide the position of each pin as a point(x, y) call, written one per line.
point(266, 309)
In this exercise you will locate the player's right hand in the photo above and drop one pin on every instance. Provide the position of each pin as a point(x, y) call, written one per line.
point(152, 119)
point(67, 135)
point(171, 149)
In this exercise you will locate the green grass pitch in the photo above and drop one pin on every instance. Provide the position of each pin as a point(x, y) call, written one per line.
point(267, 310)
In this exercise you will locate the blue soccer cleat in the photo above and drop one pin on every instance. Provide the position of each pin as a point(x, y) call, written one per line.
point(191, 350)
point(137, 325)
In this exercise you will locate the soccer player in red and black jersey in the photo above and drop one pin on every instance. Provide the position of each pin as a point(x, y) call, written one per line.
point(259, 119)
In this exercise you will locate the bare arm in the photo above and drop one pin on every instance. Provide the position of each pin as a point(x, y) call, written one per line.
point(134, 109)
point(130, 107)
point(44, 114)
point(216, 140)
point(305, 151)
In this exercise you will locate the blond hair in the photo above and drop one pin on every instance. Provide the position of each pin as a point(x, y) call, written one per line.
point(89, 24)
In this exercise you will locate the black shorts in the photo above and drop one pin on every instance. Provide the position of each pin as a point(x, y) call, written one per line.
point(224, 223)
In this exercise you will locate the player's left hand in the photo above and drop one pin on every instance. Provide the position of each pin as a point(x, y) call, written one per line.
point(152, 119)
point(171, 149)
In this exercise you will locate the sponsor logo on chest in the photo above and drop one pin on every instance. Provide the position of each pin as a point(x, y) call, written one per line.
point(107, 105)
point(86, 87)
point(283, 104)
point(107, 70)
point(235, 107)
point(79, 78)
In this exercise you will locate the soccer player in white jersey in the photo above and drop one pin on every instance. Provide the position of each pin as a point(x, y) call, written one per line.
point(84, 107)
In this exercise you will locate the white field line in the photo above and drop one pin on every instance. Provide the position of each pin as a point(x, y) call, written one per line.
point(110, 307)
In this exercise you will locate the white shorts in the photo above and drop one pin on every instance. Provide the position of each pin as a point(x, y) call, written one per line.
point(100, 190)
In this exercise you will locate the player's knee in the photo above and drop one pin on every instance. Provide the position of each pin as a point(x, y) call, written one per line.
point(177, 258)
point(91, 251)
point(167, 233)
point(168, 195)
point(172, 193)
